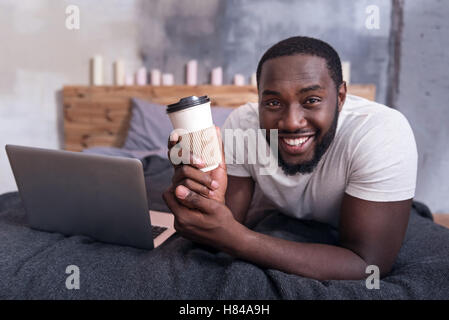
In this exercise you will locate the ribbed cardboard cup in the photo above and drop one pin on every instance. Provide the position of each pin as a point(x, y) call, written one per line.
point(192, 116)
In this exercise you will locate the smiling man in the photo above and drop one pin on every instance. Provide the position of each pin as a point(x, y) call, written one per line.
point(343, 160)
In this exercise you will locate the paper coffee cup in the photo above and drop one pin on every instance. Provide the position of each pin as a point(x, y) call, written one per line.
point(191, 117)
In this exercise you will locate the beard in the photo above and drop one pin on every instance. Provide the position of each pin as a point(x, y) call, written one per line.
point(320, 150)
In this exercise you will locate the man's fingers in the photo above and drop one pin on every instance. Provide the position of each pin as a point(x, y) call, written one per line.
point(178, 211)
point(175, 207)
point(197, 187)
point(173, 139)
point(170, 201)
point(193, 160)
point(196, 161)
point(187, 172)
point(172, 155)
point(194, 200)
point(185, 219)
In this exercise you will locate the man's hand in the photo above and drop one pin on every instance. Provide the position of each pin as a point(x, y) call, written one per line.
point(203, 220)
point(197, 200)
point(210, 184)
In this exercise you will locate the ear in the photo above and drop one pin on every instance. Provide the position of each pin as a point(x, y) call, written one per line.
point(341, 95)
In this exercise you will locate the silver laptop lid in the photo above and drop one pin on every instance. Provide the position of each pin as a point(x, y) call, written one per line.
point(73, 193)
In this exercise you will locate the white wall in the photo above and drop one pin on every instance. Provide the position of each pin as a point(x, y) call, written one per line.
point(39, 55)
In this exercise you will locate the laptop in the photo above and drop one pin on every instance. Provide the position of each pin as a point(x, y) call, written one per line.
point(74, 193)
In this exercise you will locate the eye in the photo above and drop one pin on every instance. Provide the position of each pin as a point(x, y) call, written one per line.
point(312, 101)
point(272, 104)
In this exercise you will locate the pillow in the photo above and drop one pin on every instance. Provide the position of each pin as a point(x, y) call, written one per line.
point(150, 126)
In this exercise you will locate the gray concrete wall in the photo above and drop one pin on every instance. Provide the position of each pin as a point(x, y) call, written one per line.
point(424, 95)
point(235, 33)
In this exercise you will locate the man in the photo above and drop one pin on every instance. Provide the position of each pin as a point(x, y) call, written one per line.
point(343, 160)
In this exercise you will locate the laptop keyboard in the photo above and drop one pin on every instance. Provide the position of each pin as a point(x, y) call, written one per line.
point(157, 231)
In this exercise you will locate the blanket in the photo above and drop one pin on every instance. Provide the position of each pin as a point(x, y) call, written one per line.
point(34, 265)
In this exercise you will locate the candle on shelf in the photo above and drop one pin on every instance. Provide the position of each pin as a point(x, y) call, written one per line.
point(346, 70)
point(217, 76)
point(141, 76)
point(239, 80)
point(119, 73)
point(254, 80)
point(129, 80)
point(192, 73)
point(96, 71)
point(155, 76)
point(168, 79)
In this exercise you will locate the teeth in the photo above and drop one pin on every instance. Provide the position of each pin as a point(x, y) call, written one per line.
point(296, 142)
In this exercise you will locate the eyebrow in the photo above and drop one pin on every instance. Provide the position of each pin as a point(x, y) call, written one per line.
point(303, 90)
point(270, 92)
point(311, 88)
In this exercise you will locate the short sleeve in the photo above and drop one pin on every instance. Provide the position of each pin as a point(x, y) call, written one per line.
point(384, 161)
point(233, 122)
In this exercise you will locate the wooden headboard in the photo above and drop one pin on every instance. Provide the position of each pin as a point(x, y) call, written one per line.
point(100, 116)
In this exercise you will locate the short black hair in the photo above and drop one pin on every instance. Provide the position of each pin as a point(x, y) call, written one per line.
point(306, 46)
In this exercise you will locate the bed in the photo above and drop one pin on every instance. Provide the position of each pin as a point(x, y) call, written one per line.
point(33, 264)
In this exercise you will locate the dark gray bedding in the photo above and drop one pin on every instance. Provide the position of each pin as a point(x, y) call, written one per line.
point(33, 263)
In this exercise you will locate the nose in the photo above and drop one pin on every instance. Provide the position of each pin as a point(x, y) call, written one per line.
point(293, 118)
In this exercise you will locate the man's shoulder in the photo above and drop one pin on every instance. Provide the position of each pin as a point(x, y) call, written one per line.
point(243, 117)
point(362, 115)
point(360, 107)
point(369, 127)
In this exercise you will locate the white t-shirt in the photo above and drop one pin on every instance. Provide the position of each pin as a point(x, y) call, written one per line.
point(372, 157)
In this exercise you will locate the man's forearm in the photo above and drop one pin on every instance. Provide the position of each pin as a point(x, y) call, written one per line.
point(238, 196)
point(318, 261)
